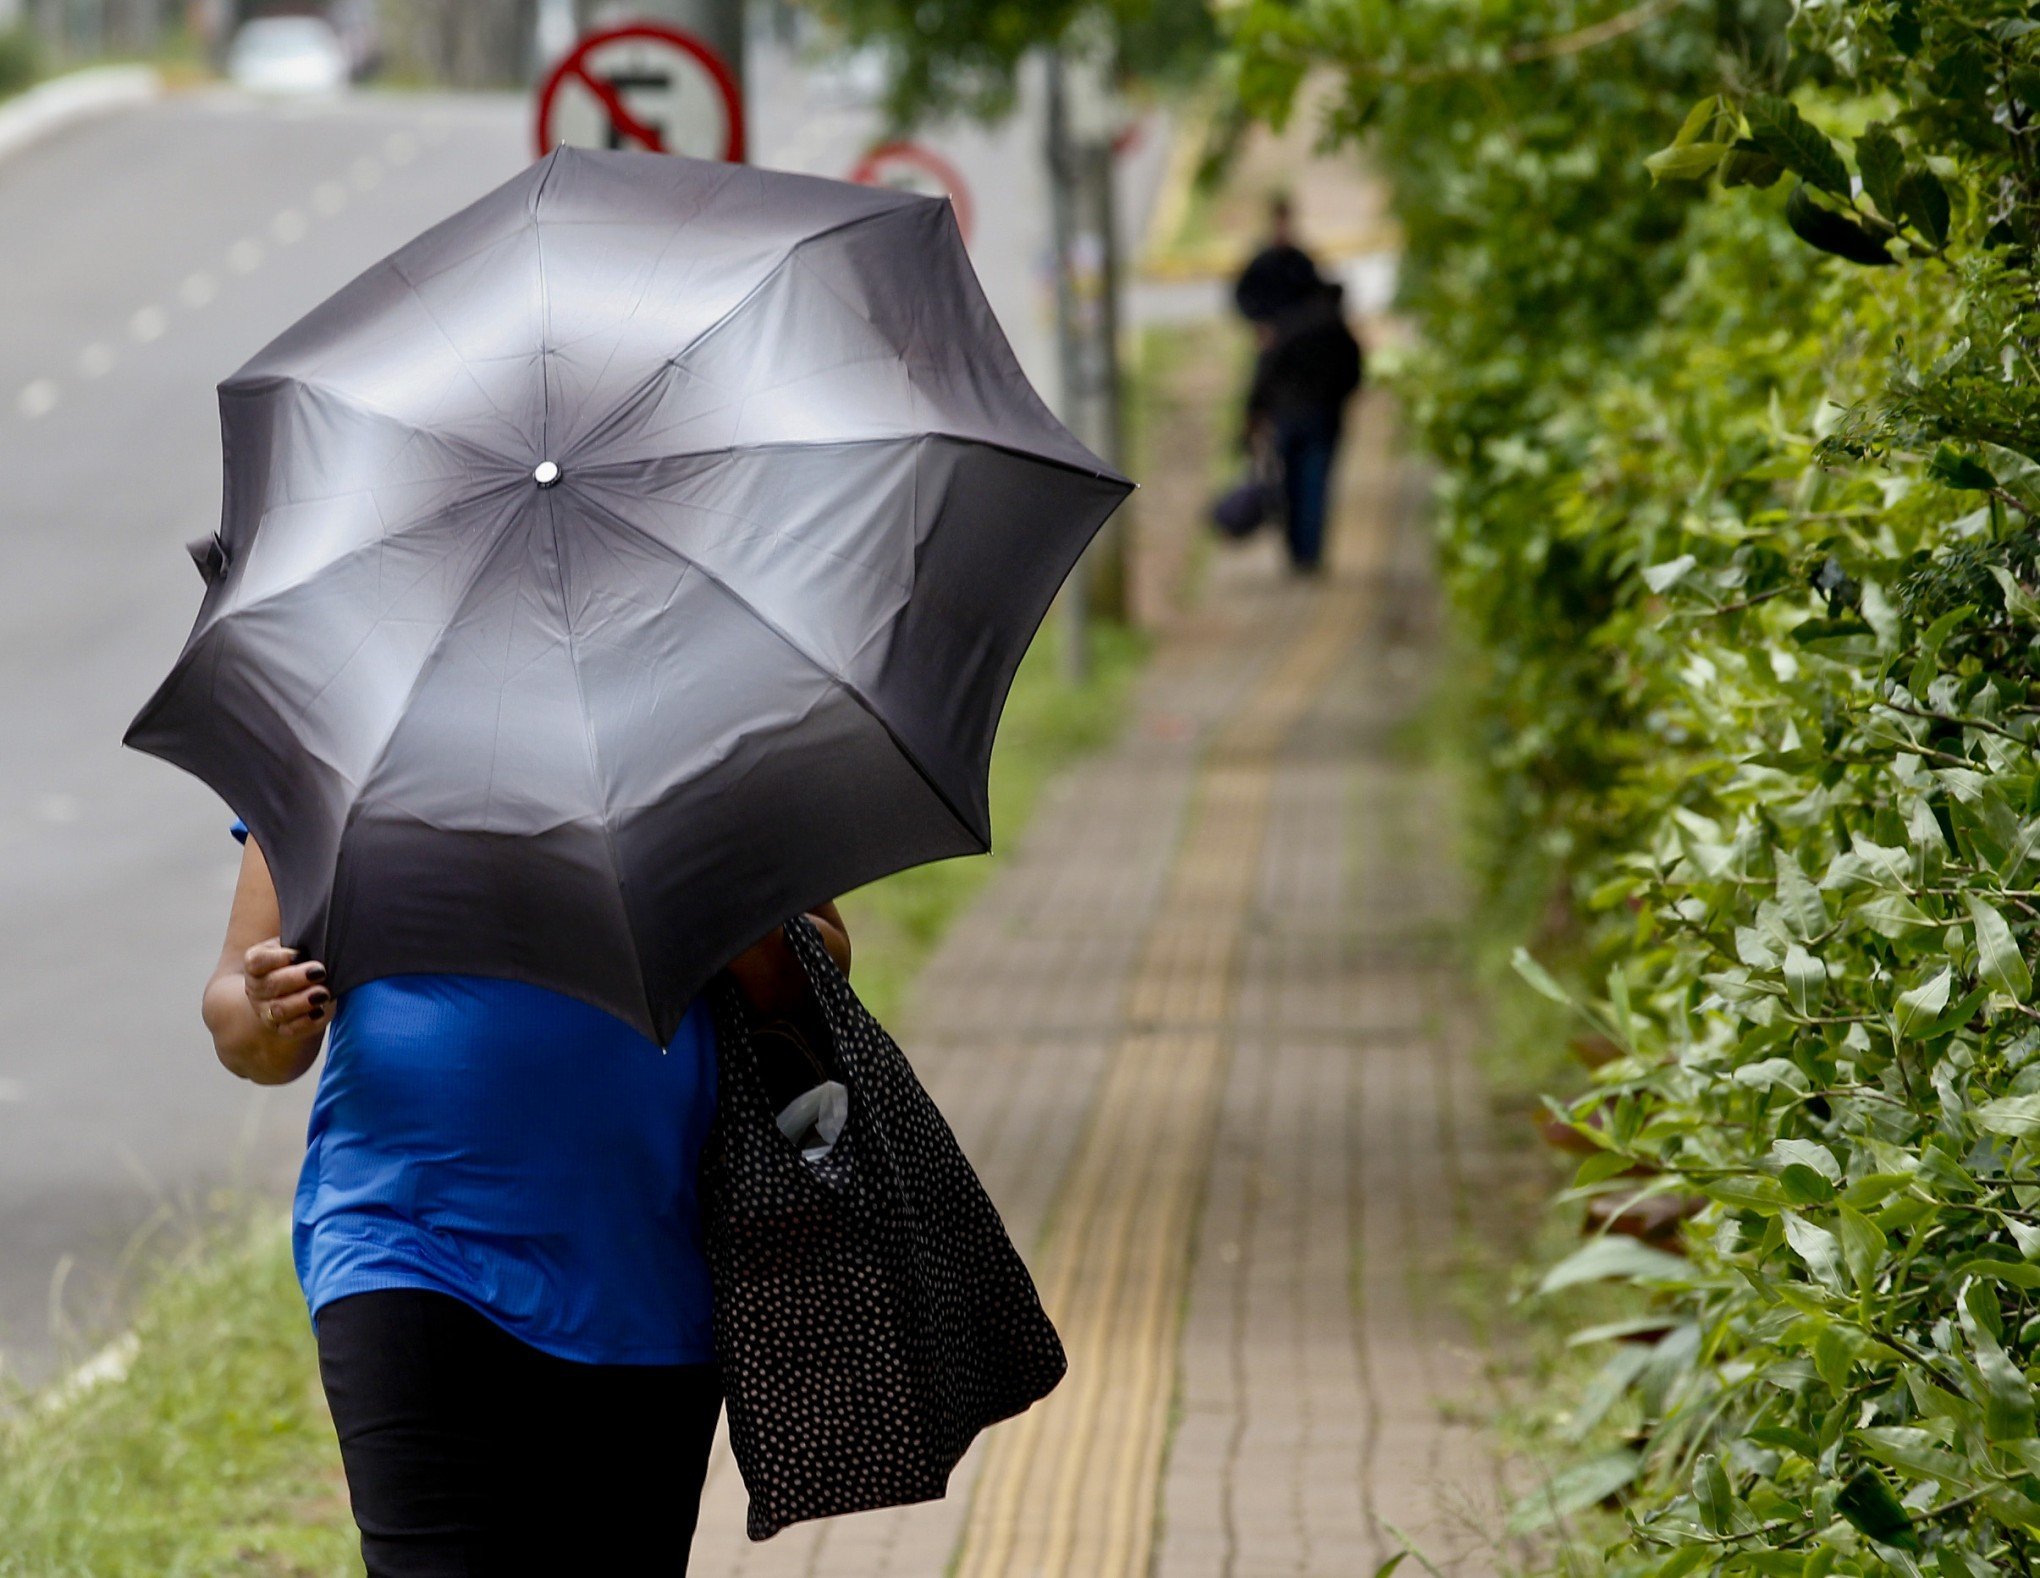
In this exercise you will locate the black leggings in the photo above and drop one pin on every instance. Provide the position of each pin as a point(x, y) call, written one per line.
point(470, 1454)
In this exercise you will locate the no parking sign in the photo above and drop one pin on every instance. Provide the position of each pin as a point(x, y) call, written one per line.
point(647, 86)
point(910, 167)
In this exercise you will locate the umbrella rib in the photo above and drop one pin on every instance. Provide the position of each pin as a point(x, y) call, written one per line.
point(623, 408)
point(758, 531)
point(381, 540)
point(1096, 473)
point(349, 401)
point(432, 652)
point(544, 314)
point(595, 765)
point(906, 751)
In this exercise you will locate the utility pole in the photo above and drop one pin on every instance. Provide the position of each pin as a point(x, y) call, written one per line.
point(1080, 130)
point(1062, 209)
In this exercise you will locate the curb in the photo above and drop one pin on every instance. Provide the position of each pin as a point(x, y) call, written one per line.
point(74, 96)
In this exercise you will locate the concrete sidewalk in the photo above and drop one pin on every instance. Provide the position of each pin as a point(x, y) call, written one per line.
point(1195, 1038)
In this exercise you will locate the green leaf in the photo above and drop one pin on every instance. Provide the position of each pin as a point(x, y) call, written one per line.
point(1805, 979)
point(1808, 1153)
point(1804, 1186)
point(1391, 1564)
point(1746, 1194)
point(1893, 916)
point(1698, 119)
point(1692, 162)
point(1660, 577)
point(1927, 665)
point(1882, 164)
point(1831, 232)
point(1953, 469)
point(2008, 1396)
point(1816, 1246)
point(1864, 1245)
point(1805, 909)
point(1787, 136)
point(1712, 1493)
point(2019, 602)
point(1612, 1258)
point(1924, 201)
point(1600, 1167)
point(1867, 1502)
point(1834, 1355)
point(1923, 1004)
point(1746, 164)
point(1581, 1485)
point(2015, 1116)
point(1539, 978)
point(1999, 961)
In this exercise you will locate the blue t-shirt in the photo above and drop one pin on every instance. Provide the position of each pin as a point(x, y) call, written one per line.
point(518, 1149)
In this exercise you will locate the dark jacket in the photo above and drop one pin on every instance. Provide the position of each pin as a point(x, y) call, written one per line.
point(1278, 279)
point(1313, 364)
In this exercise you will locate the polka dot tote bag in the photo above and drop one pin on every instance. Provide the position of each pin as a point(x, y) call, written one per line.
point(871, 1315)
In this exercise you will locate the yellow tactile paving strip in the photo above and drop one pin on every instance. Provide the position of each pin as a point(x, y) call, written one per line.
point(1069, 1490)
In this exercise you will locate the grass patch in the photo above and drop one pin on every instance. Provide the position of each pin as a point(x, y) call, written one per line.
point(212, 1454)
point(21, 60)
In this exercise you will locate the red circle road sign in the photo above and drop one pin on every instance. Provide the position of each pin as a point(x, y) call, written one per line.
point(643, 85)
point(913, 168)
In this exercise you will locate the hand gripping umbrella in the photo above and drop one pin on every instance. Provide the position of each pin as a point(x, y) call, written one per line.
point(637, 557)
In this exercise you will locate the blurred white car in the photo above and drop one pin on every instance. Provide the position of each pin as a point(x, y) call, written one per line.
point(288, 54)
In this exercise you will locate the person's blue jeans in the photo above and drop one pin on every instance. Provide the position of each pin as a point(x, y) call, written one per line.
point(1308, 443)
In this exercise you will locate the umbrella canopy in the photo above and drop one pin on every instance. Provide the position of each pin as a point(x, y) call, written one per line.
point(634, 559)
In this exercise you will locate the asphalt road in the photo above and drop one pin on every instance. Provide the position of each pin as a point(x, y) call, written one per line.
point(145, 257)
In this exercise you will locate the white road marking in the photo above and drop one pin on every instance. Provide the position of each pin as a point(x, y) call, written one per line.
point(97, 359)
point(400, 147)
point(288, 227)
point(36, 399)
point(328, 198)
point(245, 256)
point(198, 289)
point(148, 324)
point(365, 173)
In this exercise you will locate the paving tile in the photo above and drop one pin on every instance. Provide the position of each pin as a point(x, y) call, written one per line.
point(1196, 1038)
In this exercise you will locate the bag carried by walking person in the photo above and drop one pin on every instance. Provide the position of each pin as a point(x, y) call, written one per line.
point(1256, 499)
point(871, 1315)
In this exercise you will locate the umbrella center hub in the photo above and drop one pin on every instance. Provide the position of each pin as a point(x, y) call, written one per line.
point(545, 473)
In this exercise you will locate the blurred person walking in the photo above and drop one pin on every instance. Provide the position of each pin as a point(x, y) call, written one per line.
point(1308, 365)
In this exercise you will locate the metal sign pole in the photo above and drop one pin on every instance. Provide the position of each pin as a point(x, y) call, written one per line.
point(718, 23)
point(1062, 198)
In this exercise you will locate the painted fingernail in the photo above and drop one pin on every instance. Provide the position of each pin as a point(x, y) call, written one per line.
point(318, 1013)
point(316, 973)
point(321, 995)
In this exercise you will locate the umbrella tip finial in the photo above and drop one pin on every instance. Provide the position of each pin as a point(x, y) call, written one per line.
point(545, 473)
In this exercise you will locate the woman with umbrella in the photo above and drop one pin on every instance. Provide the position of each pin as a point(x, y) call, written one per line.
point(636, 557)
point(497, 1226)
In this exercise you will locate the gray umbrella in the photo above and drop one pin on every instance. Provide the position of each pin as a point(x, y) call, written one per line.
point(634, 559)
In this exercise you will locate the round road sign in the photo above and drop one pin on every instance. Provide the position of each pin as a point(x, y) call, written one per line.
point(909, 167)
point(643, 85)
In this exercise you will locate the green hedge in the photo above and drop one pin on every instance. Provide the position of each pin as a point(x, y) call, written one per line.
point(1730, 323)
